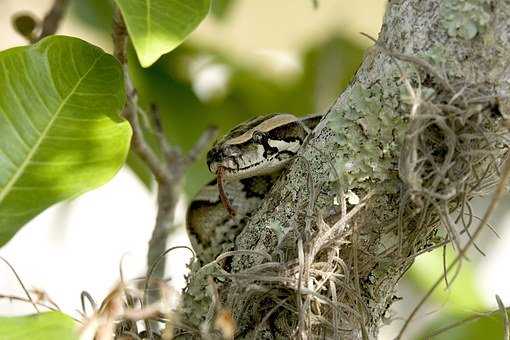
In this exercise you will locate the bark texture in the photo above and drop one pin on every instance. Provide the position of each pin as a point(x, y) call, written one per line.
point(387, 175)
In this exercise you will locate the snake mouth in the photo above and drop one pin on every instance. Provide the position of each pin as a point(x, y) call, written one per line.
point(228, 165)
point(218, 157)
point(231, 169)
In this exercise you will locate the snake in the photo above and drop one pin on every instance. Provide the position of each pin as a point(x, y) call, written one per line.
point(247, 161)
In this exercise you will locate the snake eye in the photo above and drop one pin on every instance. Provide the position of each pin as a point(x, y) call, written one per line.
point(258, 136)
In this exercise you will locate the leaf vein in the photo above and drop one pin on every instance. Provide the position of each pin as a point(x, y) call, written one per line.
point(7, 118)
point(5, 191)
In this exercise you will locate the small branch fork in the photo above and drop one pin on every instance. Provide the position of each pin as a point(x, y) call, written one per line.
point(168, 169)
point(48, 26)
point(52, 19)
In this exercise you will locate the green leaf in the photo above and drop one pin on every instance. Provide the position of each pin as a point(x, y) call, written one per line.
point(158, 26)
point(60, 132)
point(43, 326)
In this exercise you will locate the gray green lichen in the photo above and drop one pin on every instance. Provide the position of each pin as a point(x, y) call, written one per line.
point(197, 296)
point(465, 18)
point(368, 132)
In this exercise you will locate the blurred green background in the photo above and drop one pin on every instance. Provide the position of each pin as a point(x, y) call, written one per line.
point(252, 57)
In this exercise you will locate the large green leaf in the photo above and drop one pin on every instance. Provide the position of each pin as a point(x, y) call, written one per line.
point(158, 26)
point(44, 326)
point(60, 132)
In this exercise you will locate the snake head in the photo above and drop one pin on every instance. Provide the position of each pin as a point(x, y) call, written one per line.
point(258, 147)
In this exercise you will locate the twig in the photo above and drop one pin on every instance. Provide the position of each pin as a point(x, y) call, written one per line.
point(52, 19)
point(20, 283)
point(167, 198)
point(164, 145)
point(152, 269)
point(168, 170)
point(414, 60)
point(27, 25)
point(131, 109)
point(202, 143)
point(464, 321)
point(21, 299)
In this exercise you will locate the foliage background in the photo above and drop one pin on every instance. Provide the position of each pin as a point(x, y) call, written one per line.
point(247, 58)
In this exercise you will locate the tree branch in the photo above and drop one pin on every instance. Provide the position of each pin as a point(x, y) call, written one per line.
point(52, 19)
point(168, 170)
point(26, 25)
point(410, 129)
point(141, 147)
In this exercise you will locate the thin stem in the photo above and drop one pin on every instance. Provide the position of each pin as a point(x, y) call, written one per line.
point(465, 321)
point(140, 146)
point(29, 297)
point(168, 170)
point(52, 19)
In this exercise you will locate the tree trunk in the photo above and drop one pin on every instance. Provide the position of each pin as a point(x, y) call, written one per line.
point(387, 174)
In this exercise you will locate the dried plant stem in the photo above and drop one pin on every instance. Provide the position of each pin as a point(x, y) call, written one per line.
point(470, 318)
point(26, 300)
point(498, 194)
point(29, 297)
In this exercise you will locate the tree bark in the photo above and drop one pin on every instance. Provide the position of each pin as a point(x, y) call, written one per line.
point(387, 174)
